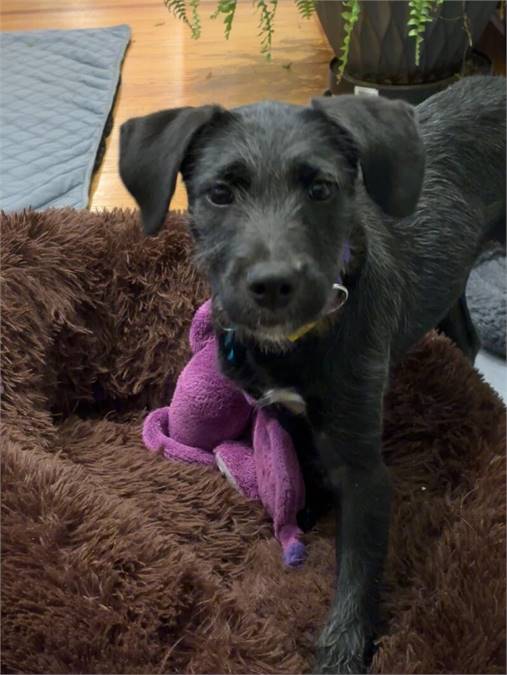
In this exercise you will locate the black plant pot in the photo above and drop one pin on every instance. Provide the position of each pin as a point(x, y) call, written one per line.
point(382, 55)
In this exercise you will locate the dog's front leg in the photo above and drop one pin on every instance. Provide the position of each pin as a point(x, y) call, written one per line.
point(351, 452)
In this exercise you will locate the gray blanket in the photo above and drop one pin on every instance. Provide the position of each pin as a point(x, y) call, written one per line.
point(487, 301)
point(58, 89)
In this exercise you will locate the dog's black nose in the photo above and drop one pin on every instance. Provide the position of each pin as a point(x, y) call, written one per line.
point(271, 286)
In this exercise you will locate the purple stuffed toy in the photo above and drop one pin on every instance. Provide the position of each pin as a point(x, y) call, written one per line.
point(211, 421)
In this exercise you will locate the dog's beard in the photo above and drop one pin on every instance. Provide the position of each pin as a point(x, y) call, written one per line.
point(269, 338)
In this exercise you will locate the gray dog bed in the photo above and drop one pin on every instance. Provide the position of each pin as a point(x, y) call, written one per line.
point(58, 88)
point(486, 298)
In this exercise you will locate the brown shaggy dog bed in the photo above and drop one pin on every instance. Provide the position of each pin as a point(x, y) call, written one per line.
point(118, 561)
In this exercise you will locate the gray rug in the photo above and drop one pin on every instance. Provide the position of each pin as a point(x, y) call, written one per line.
point(58, 89)
point(487, 301)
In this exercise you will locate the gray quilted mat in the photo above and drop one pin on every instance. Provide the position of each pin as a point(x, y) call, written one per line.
point(58, 89)
point(487, 299)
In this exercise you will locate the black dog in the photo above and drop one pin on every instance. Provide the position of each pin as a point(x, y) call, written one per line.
point(289, 204)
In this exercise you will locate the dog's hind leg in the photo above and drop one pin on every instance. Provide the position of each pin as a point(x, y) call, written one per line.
point(459, 327)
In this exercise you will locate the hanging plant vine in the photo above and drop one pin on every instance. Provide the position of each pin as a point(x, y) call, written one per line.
point(195, 21)
point(421, 12)
point(306, 8)
point(350, 15)
point(226, 9)
point(267, 9)
point(178, 8)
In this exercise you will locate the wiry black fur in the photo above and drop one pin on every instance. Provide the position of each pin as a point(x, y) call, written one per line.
point(413, 244)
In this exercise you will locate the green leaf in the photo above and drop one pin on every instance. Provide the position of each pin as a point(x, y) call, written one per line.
point(226, 8)
point(178, 9)
point(306, 8)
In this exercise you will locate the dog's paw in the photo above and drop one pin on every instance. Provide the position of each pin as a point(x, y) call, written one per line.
point(342, 650)
point(337, 662)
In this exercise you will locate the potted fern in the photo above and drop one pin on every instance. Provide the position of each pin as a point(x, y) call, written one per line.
point(403, 48)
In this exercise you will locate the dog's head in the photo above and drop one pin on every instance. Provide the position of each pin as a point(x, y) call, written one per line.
point(271, 192)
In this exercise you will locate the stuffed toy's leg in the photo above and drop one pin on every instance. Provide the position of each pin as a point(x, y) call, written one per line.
point(292, 546)
point(280, 482)
point(235, 460)
point(156, 436)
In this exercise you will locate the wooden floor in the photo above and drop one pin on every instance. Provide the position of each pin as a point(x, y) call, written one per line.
point(165, 68)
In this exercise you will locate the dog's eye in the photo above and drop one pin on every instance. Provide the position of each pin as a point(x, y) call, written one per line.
point(220, 195)
point(320, 190)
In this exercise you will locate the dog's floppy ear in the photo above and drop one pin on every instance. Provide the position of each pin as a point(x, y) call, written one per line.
point(391, 149)
point(152, 149)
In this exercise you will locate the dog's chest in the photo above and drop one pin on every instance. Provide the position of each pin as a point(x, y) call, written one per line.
point(262, 378)
point(287, 397)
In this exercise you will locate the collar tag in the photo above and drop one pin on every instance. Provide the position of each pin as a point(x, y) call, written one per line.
point(342, 295)
point(229, 344)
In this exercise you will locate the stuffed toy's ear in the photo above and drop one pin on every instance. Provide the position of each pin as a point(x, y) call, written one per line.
point(201, 330)
point(391, 150)
point(152, 149)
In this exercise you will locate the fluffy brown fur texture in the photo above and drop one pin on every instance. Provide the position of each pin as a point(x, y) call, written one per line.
point(118, 561)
